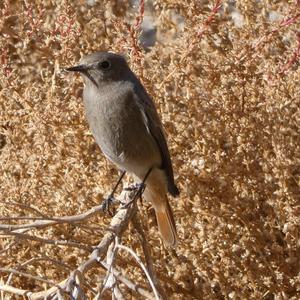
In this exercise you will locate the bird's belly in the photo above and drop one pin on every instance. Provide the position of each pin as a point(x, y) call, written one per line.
point(120, 130)
point(138, 161)
point(132, 148)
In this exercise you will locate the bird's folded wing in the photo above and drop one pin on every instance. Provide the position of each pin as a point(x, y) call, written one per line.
point(155, 128)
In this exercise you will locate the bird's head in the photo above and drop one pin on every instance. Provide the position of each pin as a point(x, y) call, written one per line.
point(102, 67)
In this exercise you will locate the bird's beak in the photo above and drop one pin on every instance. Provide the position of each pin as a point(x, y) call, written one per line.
point(83, 69)
point(79, 68)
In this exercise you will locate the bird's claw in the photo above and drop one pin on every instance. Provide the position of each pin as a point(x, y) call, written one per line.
point(107, 203)
point(139, 188)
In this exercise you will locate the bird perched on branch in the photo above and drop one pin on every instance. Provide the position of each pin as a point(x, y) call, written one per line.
point(126, 126)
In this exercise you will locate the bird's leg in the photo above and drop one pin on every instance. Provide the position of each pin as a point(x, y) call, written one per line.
point(111, 199)
point(139, 187)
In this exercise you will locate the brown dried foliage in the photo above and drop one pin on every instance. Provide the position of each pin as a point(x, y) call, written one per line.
point(229, 99)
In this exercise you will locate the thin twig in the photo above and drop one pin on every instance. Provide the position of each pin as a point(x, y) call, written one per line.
point(74, 283)
point(147, 252)
point(33, 260)
point(109, 281)
point(3, 270)
point(139, 261)
point(47, 241)
point(52, 221)
point(117, 294)
point(16, 291)
point(22, 205)
point(130, 284)
point(8, 247)
point(118, 225)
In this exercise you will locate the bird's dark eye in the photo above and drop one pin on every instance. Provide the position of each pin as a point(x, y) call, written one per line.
point(105, 64)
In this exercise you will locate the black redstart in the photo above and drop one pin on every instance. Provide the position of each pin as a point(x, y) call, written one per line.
point(126, 126)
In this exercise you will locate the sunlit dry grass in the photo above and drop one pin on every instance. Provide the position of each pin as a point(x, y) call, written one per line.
point(228, 95)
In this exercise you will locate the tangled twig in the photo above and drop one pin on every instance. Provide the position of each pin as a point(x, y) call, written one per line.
point(76, 284)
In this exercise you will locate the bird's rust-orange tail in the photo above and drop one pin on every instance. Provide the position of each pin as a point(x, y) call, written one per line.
point(166, 223)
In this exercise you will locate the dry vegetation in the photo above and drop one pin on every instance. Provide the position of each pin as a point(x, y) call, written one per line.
point(229, 96)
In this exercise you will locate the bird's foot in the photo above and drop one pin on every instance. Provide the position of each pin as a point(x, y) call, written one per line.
point(136, 187)
point(106, 204)
point(139, 188)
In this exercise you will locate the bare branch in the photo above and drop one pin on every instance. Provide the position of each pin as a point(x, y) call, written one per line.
point(139, 261)
point(117, 293)
point(147, 252)
point(36, 259)
point(3, 270)
point(74, 284)
point(46, 221)
point(109, 280)
point(16, 291)
point(8, 247)
point(117, 226)
point(22, 205)
point(47, 241)
point(130, 284)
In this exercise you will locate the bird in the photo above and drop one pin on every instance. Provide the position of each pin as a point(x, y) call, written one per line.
point(127, 128)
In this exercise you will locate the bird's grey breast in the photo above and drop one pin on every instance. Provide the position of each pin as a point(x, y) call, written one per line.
point(118, 124)
point(105, 108)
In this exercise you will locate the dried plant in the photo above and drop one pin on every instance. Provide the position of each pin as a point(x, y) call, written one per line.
point(225, 78)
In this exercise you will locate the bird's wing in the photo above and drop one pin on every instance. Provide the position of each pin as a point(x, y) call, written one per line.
point(155, 128)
